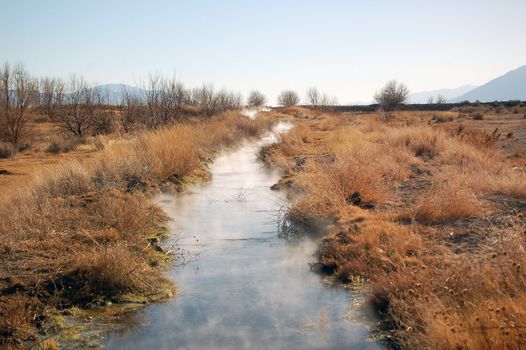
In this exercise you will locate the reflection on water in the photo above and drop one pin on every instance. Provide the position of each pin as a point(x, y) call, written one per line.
point(248, 289)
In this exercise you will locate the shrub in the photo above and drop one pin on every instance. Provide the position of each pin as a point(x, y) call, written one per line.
point(104, 123)
point(6, 151)
point(54, 148)
point(392, 95)
point(477, 116)
point(61, 145)
point(256, 99)
point(437, 118)
point(288, 98)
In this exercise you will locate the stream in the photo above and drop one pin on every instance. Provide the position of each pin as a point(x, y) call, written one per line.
point(243, 287)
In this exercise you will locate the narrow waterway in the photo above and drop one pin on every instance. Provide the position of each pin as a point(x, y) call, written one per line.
point(244, 288)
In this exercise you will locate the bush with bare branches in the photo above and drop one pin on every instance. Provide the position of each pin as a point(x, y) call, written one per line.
point(256, 99)
point(211, 101)
point(19, 94)
point(131, 106)
point(288, 98)
point(319, 99)
point(391, 96)
point(51, 96)
point(81, 103)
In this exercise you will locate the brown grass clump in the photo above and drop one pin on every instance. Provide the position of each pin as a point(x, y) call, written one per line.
point(63, 145)
point(107, 271)
point(298, 140)
point(376, 246)
point(49, 344)
point(511, 183)
point(442, 244)
point(450, 197)
point(171, 154)
point(360, 170)
point(16, 318)
point(77, 233)
point(447, 203)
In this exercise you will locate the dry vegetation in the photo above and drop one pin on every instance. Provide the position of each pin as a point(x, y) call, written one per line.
point(80, 232)
point(77, 168)
point(428, 209)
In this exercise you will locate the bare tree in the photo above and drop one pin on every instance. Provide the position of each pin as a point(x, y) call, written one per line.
point(313, 96)
point(152, 119)
point(5, 90)
point(332, 101)
point(256, 99)
point(211, 101)
point(192, 98)
point(51, 96)
point(392, 95)
point(165, 99)
point(131, 109)
point(327, 103)
point(80, 105)
point(173, 96)
point(228, 100)
point(103, 115)
point(430, 100)
point(288, 98)
point(206, 98)
point(440, 99)
point(320, 100)
point(19, 94)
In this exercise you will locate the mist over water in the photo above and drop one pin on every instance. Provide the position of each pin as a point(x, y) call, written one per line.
point(253, 111)
point(245, 287)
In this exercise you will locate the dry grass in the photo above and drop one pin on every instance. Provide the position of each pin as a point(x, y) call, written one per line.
point(451, 196)
point(470, 301)
point(59, 144)
point(76, 233)
point(443, 248)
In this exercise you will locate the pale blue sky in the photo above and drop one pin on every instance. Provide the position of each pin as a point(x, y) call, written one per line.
point(346, 48)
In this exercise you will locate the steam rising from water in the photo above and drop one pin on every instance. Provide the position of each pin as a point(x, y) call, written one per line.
point(251, 112)
point(248, 289)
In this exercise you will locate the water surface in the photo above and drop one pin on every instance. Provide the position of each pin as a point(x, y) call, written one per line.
point(245, 288)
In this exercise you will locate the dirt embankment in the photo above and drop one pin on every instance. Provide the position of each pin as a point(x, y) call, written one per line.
point(84, 233)
point(428, 208)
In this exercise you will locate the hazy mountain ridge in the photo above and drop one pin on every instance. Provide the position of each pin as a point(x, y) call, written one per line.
point(510, 86)
point(423, 96)
point(115, 92)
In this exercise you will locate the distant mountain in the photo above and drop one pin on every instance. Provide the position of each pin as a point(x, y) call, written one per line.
point(423, 96)
point(115, 92)
point(510, 86)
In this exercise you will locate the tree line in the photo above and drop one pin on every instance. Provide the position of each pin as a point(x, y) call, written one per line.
point(81, 108)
